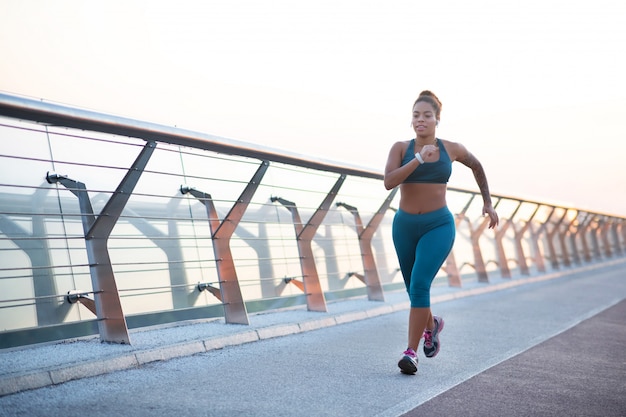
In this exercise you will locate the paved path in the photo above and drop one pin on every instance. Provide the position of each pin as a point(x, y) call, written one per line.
point(581, 372)
point(549, 345)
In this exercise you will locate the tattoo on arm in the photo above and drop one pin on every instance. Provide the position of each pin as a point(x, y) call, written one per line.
point(472, 163)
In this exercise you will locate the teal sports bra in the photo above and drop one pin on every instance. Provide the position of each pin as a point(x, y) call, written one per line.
point(430, 172)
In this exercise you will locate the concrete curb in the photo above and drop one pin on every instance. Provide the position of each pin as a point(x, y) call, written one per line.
point(64, 373)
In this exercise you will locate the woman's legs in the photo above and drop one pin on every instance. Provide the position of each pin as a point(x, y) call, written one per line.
point(418, 319)
point(430, 323)
point(431, 252)
point(422, 243)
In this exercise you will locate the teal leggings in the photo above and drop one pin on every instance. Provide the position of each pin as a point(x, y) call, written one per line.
point(422, 242)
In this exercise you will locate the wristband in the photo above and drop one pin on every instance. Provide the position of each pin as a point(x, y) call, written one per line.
point(419, 158)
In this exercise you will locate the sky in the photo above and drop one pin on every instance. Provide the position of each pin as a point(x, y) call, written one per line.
point(535, 89)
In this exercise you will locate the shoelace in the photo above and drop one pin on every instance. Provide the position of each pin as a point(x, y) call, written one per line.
point(409, 352)
point(428, 339)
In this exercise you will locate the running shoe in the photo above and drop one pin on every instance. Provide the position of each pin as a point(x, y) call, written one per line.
point(408, 363)
point(431, 338)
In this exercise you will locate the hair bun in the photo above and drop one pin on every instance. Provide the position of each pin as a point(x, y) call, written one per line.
point(430, 94)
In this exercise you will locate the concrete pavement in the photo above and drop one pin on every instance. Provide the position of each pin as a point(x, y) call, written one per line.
point(580, 372)
point(338, 363)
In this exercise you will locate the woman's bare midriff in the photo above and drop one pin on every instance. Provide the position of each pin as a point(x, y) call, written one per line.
point(420, 198)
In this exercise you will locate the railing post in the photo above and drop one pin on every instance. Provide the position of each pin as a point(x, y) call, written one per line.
point(595, 227)
point(519, 249)
point(539, 256)
point(304, 238)
point(573, 232)
point(505, 271)
point(615, 235)
point(582, 233)
point(554, 258)
point(111, 319)
point(365, 235)
point(563, 232)
point(604, 233)
point(221, 232)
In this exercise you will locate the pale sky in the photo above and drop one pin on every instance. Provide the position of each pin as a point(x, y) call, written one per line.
point(536, 89)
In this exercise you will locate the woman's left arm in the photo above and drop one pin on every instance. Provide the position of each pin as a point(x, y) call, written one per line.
point(469, 160)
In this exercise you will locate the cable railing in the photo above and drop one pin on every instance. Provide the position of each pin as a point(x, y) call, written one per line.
point(109, 223)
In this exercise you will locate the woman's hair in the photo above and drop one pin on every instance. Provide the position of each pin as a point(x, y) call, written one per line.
point(429, 97)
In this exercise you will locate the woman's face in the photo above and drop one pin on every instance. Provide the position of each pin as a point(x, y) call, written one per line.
point(424, 119)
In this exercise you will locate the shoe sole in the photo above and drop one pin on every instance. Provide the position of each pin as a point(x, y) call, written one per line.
point(407, 366)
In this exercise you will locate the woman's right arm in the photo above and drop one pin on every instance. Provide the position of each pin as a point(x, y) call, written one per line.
point(395, 172)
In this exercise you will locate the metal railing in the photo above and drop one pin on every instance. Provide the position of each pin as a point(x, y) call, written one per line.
point(109, 223)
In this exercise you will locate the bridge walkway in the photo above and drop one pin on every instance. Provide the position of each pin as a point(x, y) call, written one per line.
point(542, 345)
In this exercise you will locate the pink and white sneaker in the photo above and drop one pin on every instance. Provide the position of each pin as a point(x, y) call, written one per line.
point(408, 363)
point(431, 338)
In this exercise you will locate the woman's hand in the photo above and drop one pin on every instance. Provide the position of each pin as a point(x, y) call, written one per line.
point(493, 216)
point(429, 153)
